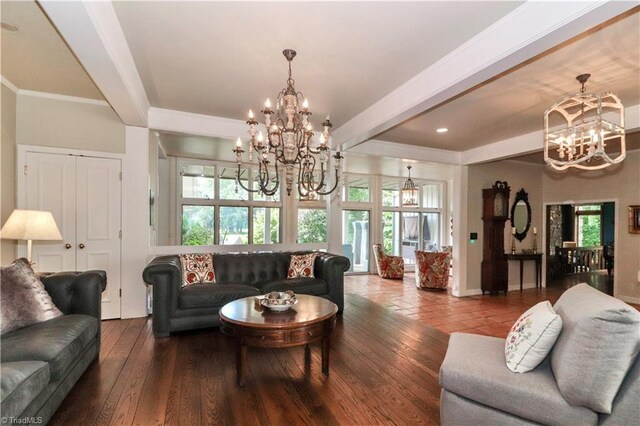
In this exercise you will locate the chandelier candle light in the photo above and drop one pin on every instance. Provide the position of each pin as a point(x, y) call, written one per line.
point(288, 142)
point(588, 122)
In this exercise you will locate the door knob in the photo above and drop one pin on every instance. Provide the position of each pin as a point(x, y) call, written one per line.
point(67, 246)
point(81, 246)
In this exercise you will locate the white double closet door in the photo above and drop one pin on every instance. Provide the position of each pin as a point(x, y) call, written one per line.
point(84, 196)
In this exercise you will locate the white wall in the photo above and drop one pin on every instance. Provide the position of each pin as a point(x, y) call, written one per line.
point(7, 169)
point(621, 182)
point(57, 121)
point(518, 175)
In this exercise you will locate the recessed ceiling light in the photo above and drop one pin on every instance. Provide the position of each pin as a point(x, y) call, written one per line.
point(9, 27)
point(442, 130)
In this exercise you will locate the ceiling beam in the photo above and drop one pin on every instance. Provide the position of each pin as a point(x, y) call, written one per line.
point(94, 35)
point(380, 148)
point(196, 124)
point(528, 31)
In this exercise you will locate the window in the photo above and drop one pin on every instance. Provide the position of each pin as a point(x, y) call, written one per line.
point(266, 225)
point(407, 229)
point(197, 225)
point(214, 210)
point(312, 225)
point(589, 225)
point(356, 189)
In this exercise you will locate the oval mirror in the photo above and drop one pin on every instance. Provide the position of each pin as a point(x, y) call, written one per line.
point(521, 214)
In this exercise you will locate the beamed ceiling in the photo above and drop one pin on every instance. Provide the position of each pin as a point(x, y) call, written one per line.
point(365, 63)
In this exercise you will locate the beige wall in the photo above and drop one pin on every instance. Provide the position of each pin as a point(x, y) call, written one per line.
point(518, 175)
point(7, 168)
point(621, 182)
point(62, 123)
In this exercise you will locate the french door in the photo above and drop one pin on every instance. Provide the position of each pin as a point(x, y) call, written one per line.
point(83, 194)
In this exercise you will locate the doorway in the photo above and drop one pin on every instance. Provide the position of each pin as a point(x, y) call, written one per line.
point(580, 245)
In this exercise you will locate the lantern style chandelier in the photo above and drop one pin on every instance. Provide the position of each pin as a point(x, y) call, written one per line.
point(289, 143)
point(409, 192)
point(578, 127)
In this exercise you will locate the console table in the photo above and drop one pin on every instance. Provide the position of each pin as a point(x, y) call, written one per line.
point(536, 257)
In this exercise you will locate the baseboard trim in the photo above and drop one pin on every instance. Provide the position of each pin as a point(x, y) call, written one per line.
point(629, 299)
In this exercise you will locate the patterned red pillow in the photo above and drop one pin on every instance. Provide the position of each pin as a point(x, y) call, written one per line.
point(301, 265)
point(197, 268)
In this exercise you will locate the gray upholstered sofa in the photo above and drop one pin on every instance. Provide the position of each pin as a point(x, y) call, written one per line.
point(591, 376)
point(177, 308)
point(42, 362)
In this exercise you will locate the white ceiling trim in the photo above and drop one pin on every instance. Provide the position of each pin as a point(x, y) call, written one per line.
point(195, 124)
point(380, 148)
point(23, 92)
point(4, 80)
point(532, 29)
point(93, 32)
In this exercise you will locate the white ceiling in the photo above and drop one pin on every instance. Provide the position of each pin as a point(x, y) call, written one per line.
point(221, 59)
point(36, 58)
point(515, 103)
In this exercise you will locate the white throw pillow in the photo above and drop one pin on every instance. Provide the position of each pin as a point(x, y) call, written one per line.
point(532, 337)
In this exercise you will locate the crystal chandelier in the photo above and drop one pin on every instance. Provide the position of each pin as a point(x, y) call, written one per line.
point(586, 122)
point(409, 192)
point(289, 144)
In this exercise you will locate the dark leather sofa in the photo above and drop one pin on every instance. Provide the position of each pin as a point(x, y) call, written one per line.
point(42, 362)
point(177, 308)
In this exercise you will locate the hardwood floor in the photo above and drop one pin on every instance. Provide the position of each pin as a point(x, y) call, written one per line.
point(385, 356)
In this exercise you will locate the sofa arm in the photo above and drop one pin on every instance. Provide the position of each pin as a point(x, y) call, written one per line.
point(77, 292)
point(164, 273)
point(331, 268)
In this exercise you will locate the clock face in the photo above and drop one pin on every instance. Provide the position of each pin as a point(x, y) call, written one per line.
point(499, 206)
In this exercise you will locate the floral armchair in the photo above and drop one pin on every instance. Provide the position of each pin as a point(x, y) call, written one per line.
point(388, 266)
point(432, 269)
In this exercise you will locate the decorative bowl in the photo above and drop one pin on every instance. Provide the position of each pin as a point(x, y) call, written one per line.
point(279, 301)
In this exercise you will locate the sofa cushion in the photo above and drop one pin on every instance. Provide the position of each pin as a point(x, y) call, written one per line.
point(532, 337)
point(197, 268)
point(312, 286)
point(21, 381)
point(626, 407)
point(475, 368)
point(58, 342)
point(24, 300)
point(204, 295)
point(600, 338)
point(301, 265)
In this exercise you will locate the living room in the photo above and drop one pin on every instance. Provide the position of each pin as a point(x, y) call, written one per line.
point(143, 101)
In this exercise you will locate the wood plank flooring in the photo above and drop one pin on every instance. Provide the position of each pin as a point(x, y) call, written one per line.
point(385, 356)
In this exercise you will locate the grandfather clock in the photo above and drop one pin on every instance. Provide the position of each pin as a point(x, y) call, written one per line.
point(495, 211)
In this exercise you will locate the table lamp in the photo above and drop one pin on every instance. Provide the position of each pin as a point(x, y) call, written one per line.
point(30, 225)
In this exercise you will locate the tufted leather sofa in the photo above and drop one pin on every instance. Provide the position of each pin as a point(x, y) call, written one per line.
point(177, 308)
point(42, 362)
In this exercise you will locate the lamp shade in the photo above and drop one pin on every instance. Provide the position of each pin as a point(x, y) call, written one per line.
point(30, 225)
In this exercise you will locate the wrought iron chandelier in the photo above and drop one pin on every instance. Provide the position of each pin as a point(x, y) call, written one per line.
point(582, 125)
point(409, 192)
point(289, 144)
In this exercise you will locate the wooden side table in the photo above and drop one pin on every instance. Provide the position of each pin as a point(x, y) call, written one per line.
point(522, 257)
point(311, 320)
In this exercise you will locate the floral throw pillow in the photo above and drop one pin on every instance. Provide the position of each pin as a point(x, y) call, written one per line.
point(532, 337)
point(301, 265)
point(197, 268)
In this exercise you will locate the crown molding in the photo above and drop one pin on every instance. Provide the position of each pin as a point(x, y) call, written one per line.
point(55, 96)
point(4, 80)
point(532, 29)
point(93, 33)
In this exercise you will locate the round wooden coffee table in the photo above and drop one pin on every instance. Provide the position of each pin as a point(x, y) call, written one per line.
point(311, 320)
